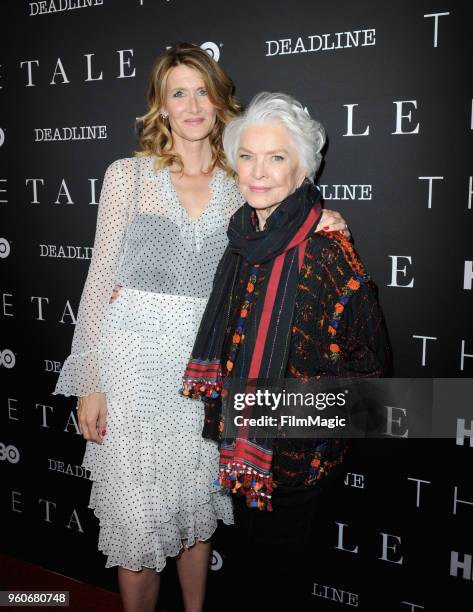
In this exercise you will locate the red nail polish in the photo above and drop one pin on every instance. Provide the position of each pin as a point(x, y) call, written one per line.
point(103, 432)
point(326, 227)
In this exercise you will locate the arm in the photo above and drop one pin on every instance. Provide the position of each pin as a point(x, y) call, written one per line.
point(80, 374)
point(364, 352)
point(362, 336)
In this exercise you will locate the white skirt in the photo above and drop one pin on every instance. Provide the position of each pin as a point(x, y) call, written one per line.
point(153, 474)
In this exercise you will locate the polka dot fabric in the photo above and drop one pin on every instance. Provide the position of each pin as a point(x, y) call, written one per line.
point(145, 240)
point(153, 476)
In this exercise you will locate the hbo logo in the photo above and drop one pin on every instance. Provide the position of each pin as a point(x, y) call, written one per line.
point(216, 561)
point(212, 49)
point(4, 248)
point(7, 358)
point(9, 453)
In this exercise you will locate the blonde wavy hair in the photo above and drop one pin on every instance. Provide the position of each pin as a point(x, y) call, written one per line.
point(156, 136)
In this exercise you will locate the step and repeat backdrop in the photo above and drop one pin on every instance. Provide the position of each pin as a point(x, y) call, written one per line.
point(392, 84)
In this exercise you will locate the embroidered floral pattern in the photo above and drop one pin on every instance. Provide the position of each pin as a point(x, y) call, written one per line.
point(332, 324)
point(331, 275)
point(238, 335)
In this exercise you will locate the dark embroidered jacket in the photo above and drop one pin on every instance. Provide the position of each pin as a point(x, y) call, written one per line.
point(338, 331)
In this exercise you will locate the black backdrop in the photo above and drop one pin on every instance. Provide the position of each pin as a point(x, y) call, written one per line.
point(395, 95)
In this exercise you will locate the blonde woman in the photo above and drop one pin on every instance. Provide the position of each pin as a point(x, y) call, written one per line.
point(161, 230)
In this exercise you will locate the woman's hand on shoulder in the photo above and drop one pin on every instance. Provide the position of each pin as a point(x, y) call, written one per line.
point(332, 221)
point(92, 416)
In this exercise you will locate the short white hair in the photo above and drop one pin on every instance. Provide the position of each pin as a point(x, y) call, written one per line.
point(307, 134)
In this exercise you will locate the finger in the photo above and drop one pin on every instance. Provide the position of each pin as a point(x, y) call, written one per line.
point(102, 422)
point(337, 227)
point(115, 292)
point(102, 425)
point(93, 433)
point(328, 221)
point(100, 434)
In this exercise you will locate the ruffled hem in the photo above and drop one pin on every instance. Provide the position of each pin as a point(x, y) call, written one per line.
point(152, 506)
point(134, 550)
point(79, 375)
point(132, 547)
point(146, 513)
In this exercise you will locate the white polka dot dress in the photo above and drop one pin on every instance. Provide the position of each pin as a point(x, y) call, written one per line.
point(153, 476)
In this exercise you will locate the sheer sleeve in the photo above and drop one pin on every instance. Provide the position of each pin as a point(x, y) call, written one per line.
point(80, 373)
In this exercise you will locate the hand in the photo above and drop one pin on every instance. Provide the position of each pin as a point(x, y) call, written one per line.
point(92, 416)
point(116, 291)
point(332, 221)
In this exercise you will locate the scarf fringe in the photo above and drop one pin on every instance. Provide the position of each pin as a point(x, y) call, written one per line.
point(202, 380)
point(239, 479)
point(201, 389)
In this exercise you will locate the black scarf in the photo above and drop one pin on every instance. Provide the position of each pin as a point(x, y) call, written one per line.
point(263, 324)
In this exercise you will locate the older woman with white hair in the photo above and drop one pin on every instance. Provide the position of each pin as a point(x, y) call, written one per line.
point(286, 302)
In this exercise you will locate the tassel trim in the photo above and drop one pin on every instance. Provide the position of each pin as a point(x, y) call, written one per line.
point(202, 380)
point(239, 479)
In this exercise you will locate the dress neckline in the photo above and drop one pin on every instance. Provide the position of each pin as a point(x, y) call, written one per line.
point(172, 194)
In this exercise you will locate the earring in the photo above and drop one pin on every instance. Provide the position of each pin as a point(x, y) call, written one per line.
point(163, 114)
